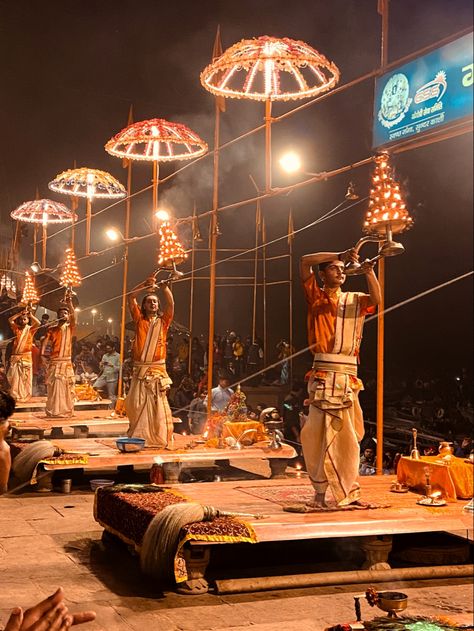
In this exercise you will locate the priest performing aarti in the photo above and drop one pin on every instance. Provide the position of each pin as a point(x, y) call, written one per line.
point(147, 404)
point(335, 426)
point(60, 373)
point(20, 373)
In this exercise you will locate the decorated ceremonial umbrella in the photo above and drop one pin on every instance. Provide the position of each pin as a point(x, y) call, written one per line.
point(156, 140)
point(43, 212)
point(88, 183)
point(269, 69)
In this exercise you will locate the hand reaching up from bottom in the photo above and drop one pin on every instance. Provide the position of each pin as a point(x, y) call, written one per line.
point(50, 614)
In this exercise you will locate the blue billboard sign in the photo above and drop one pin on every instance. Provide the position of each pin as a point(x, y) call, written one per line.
point(433, 90)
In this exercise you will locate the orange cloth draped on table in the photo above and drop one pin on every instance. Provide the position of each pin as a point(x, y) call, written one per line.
point(235, 430)
point(455, 480)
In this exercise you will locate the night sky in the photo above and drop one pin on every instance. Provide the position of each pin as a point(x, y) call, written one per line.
point(71, 70)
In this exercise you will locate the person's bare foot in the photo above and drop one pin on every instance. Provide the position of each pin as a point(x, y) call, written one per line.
point(319, 501)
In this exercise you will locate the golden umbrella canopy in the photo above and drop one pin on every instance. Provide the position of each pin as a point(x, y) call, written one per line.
point(42, 212)
point(88, 183)
point(156, 140)
point(272, 68)
point(269, 69)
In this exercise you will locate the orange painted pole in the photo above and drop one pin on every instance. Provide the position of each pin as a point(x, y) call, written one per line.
point(35, 238)
point(268, 145)
point(213, 235)
point(88, 225)
point(383, 9)
point(380, 367)
point(126, 235)
point(45, 238)
point(191, 292)
point(255, 273)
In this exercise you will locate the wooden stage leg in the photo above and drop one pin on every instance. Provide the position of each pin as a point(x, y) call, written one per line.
point(171, 471)
point(197, 559)
point(377, 548)
point(278, 467)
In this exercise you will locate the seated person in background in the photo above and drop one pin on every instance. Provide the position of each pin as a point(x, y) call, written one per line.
point(7, 407)
point(51, 613)
point(197, 414)
point(465, 447)
point(367, 462)
point(220, 395)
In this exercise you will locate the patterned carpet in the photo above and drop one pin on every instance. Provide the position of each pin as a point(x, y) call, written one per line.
point(295, 498)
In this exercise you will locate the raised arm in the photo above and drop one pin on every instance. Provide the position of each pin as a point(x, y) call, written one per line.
point(132, 296)
point(168, 303)
point(35, 323)
point(372, 283)
point(11, 319)
point(308, 260)
point(70, 308)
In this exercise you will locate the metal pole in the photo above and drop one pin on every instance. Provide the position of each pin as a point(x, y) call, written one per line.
point(212, 282)
point(381, 276)
point(88, 225)
point(191, 293)
point(45, 237)
point(290, 313)
point(264, 265)
point(123, 320)
point(35, 237)
point(156, 170)
point(255, 272)
point(268, 145)
point(74, 206)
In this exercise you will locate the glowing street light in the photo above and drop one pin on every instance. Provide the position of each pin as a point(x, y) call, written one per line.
point(290, 162)
point(113, 234)
point(162, 215)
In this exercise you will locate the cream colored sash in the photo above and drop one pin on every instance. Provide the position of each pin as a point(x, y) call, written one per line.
point(65, 346)
point(349, 324)
point(151, 341)
point(22, 340)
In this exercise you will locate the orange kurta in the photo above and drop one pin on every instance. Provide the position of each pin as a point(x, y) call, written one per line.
point(27, 341)
point(322, 312)
point(142, 325)
point(54, 337)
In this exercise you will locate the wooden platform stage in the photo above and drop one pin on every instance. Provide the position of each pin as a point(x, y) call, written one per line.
point(374, 527)
point(403, 516)
point(85, 421)
point(104, 455)
point(39, 403)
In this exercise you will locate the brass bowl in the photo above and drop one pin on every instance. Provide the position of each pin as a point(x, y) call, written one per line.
point(391, 602)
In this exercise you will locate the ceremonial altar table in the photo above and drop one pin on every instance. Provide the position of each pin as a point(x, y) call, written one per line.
point(453, 477)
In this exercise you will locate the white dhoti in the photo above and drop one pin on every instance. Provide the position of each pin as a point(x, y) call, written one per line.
point(60, 388)
point(20, 376)
point(334, 428)
point(147, 406)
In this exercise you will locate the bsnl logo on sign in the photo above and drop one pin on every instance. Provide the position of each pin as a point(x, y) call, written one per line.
point(433, 89)
point(430, 91)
